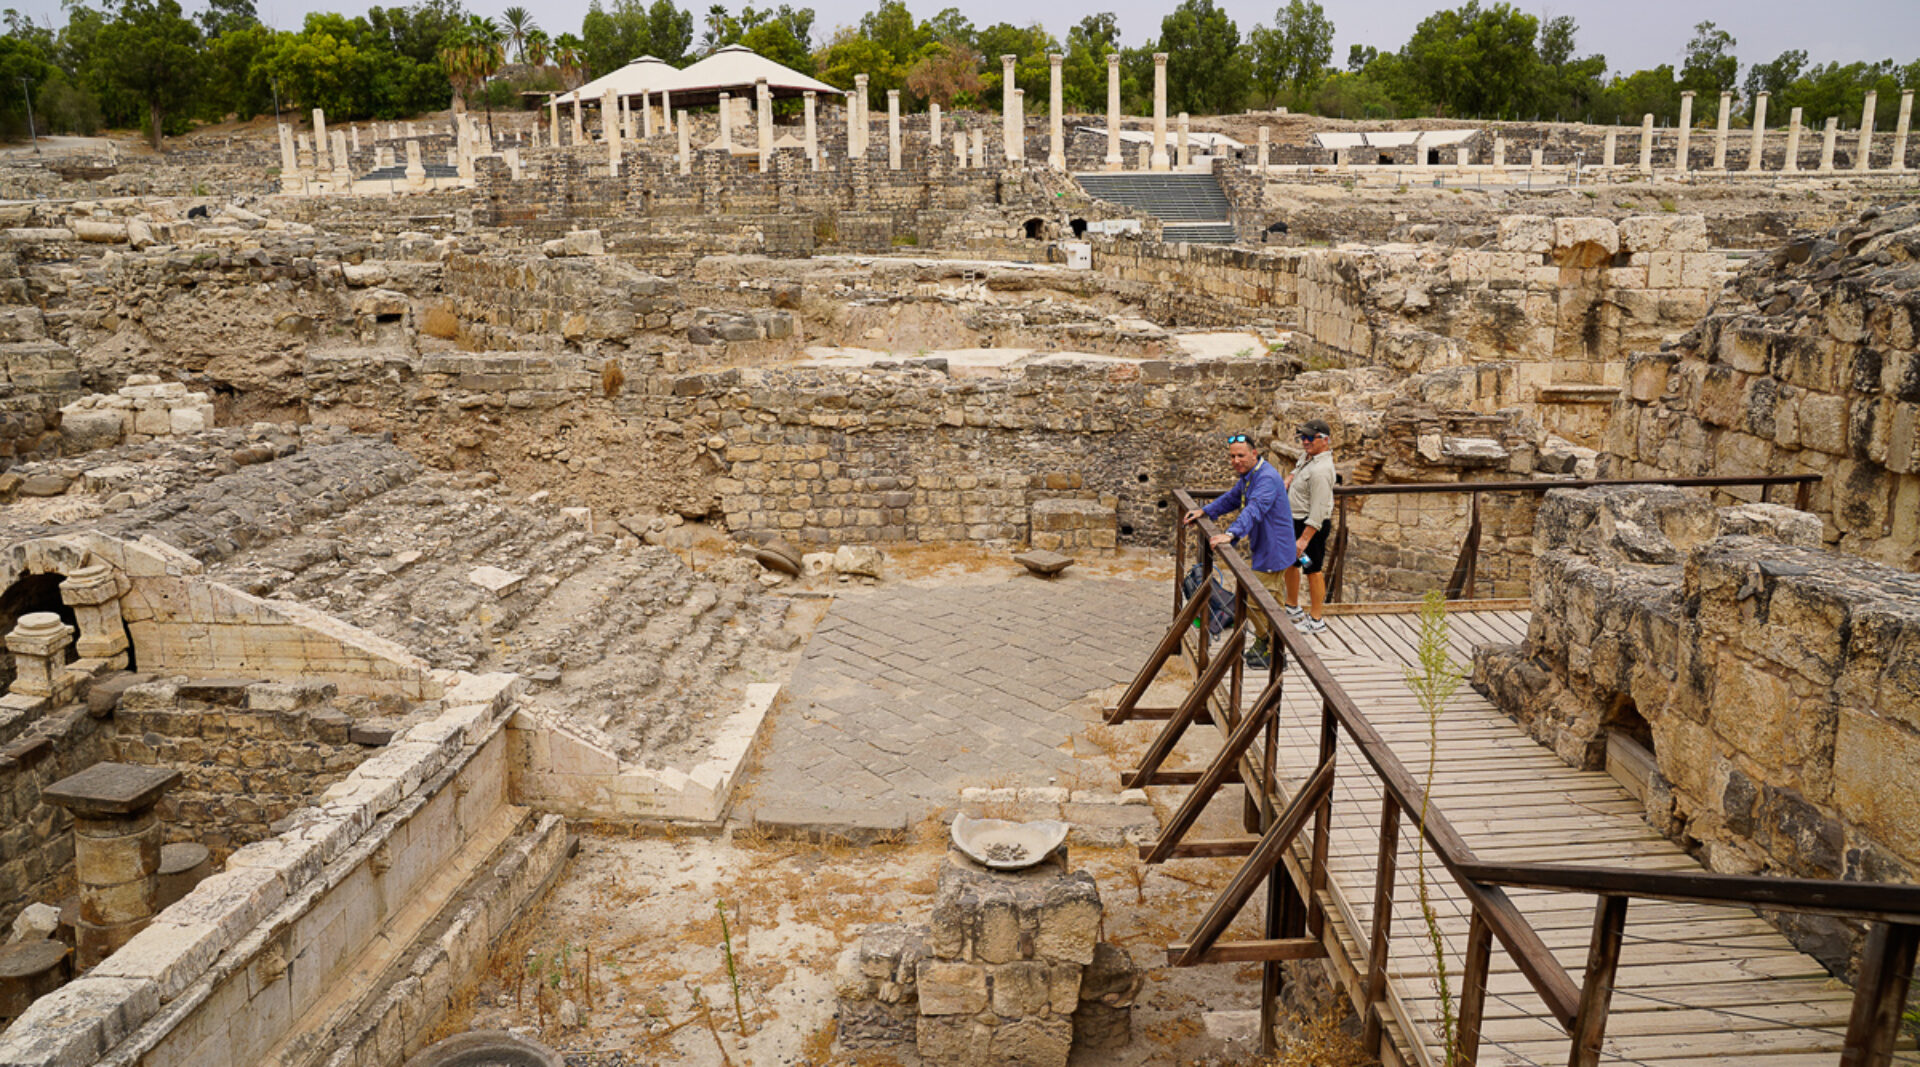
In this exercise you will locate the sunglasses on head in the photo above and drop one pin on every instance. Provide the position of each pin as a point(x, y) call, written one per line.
point(1237, 439)
point(1311, 436)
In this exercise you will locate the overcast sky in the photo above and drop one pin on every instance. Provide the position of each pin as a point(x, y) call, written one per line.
point(1632, 34)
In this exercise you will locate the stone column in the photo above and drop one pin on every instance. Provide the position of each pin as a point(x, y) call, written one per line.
point(1826, 149)
point(1263, 149)
point(1113, 160)
point(355, 131)
point(666, 112)
point(39, 644)
point(1185, 151)
point(1863, 162)
point(686, 146)
point(342, 176)
point(512, 156)
point(853, 132)
point(725, 141)
point(410, 132)
point(864, 126)
point(320, 160)
point(1461, 157)
point(289, 161)
point(763, 116)
point(1646, 143)
point(1536, 159)
point(1499, 151)
point(813, 131)
point(893, 129)
point(1900, 129)
point(646, 114)
point(116, 850)
point(1792, 162)
point(416, 172)
point(1009, 102)
point(1146, 157)
point(610, 120)
point(553, 121)
point(1612, 145)
point(933, 131)
point(960, 149)
point(979, 138)
point(1686, 131)
point(1720, 132)
point(1020, 125)
point(1159, 111)
point(94, 595)
point(1057, 137)
point(579, 124)
point(1757, 147)
point(393, 131)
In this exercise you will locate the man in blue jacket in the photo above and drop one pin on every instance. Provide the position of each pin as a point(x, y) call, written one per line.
point(1265, 524)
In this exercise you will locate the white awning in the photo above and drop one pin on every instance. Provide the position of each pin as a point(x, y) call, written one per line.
point(643, 75)
point(1394, 139)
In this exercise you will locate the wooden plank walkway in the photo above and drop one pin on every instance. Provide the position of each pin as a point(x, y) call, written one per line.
point(1697, 985)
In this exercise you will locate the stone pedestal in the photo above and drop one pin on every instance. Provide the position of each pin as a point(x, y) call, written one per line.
point(28, 971)
point(183, 865)
point(1010, 970)
point(116, 850)
point(1827, 145)
point(94, 595)
point(39, 644)
point(320, 161)
point(416, 171)
point(1263, 149)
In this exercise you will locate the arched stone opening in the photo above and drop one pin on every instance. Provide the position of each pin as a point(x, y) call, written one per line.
point(1034, 228)
point(1079, 227)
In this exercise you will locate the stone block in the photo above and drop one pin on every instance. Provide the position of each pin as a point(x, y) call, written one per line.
point(1526, 233)
point(954, 1041)
point(1020, 988)
point(949, 987)
point(1876, 778)
point(1032, 1042)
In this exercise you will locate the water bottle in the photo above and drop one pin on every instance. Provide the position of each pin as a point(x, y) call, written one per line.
point(1305, 560)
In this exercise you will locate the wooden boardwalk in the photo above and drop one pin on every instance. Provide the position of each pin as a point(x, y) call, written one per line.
point(1697, 985)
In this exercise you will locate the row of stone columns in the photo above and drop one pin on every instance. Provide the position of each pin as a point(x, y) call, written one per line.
point(1863, 155)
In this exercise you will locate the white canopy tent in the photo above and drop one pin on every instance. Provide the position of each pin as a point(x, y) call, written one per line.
point(643, 75)
point(734, 69)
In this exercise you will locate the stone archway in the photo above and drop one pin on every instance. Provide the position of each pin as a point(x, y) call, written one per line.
point(28, 594)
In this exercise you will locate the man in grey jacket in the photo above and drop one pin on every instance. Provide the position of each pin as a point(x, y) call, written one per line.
point(1310, 498)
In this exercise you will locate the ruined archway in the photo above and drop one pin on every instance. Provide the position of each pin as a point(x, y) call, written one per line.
point(28, 594)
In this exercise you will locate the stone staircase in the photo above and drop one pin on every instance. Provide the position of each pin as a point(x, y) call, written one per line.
point(1192, 207)
point(625, 640)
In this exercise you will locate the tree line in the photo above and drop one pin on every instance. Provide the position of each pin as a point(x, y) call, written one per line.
point(148, 64)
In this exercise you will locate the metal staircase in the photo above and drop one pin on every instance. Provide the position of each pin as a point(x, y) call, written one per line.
point(1191, 206)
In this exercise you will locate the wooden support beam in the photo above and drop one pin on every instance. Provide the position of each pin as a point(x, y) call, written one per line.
point(1880, 995)
point(1238, 741)
point(1154, 715)
point(1174, 777)
point(1196, 702)
point(1269, 950)
point(1473, 992)
point(1169, 644)
point(1603, 962)
point(1202, 849)
point(1374, 1023)
point(1262, 863)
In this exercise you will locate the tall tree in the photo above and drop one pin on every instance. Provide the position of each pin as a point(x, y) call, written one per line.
point(517, 21)
point(1774, 77)
point(152, 53)
point(1083, 74)
point(1206, 74)
point(1710, 65)
point(225, 16)
point(1290, 60)
point(1474, 61)
point(945, 73)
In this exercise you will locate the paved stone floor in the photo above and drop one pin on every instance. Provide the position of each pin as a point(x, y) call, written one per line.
point(906, 695)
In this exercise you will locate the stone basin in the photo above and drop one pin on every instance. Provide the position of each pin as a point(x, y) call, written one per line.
point(487, 1048)
point(1005, 845)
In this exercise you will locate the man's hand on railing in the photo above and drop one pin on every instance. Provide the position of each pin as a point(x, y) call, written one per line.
point(1191, 517)
point(1219, 539)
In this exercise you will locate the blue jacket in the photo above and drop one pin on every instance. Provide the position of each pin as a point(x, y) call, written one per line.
point(1265, 522)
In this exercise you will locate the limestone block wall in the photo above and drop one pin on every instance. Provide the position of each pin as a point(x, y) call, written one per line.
point(868, 455)
point(1073, 526)
point(36, 849)
point(249, 754)
point(404, 874)
point(1810, 362)
point(1775, 682)
point(1203, 284)
point(143, 409)
point(37, 377)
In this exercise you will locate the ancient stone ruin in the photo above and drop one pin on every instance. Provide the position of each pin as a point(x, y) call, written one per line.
point(433, 574)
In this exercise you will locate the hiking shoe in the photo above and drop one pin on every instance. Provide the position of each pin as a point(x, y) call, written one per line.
point(1258, 657)
point(1313, 626)
point(1296, 613)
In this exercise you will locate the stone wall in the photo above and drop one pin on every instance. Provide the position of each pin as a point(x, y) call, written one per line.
point(249, 753)
point(1810, 362)
point(1203, 285)
point(1773, 682)
point(36, 849)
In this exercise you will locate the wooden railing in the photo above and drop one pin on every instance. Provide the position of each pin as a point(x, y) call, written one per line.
point(1296, 924)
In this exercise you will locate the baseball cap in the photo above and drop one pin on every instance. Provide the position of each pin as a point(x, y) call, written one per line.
point(1316, 428)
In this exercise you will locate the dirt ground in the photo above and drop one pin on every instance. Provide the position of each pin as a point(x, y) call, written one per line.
point(626, 961)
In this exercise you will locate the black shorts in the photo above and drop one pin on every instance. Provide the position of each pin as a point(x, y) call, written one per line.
point(1316, 548)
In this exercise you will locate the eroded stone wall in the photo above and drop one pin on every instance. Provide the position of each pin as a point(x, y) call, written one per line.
point(1809, 363)
point(1774, 681)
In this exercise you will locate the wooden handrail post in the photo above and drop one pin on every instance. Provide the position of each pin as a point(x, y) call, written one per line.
point(1179, 557)
point(1377, 952)
point(1880, 994)
point(1803, 497)
point(1336, 563)
point(1473, 991)
point(1596, 994)
point(1322, 825)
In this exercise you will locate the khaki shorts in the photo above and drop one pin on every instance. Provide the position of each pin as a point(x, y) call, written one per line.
point(1275, 584)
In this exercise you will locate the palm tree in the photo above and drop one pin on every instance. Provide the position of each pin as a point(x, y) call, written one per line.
point(472, 52)
point(519, 23)
point(537, 48)
point(568, 51)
